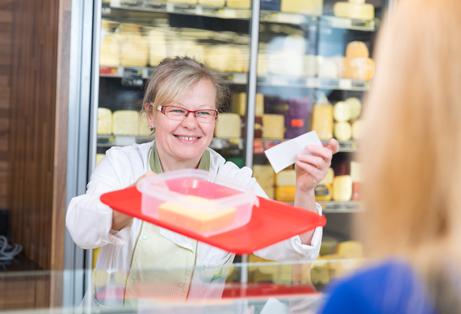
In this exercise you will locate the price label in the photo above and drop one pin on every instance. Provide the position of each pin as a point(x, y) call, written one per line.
point(132, 77)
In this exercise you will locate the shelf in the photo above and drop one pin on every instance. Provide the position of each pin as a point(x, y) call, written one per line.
point(348, 147)
point(119, 11)
point(314, 83)
point(340, 207)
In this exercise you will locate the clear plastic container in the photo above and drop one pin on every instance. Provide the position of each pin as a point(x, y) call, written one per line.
point(187, 199)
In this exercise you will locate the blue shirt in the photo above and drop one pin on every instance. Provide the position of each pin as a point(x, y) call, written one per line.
point(389, 287)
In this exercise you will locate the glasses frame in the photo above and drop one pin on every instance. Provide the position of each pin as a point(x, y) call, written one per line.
point(161, 108)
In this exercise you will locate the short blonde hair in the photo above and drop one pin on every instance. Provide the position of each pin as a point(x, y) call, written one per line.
point(174, 75)
point(411, 149)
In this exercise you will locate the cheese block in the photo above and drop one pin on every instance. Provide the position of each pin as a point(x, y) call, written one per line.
point(322, 120)
point(342, 188)
point(357, 49)
point(354, 11)
point(324, 190)
point(259, 105)
point(343, 131)
point(99, 158)
point(355, 107)
point(143, 125)
point(350, 249)
point(104, 121)
point(342, 112)
point(328, 68)
point(355, 172)
point(273, 126)
point(309, 7)
point(285, 193)
point(285, 178)
point(228, 126)
point(356, 129)
point(239, 101)
point(157, 46)
point(238, 4)
point(212, 3)
point(134, 50)
point(109, 52)
point(358, 68)
point(196, 213)
point(125, 122)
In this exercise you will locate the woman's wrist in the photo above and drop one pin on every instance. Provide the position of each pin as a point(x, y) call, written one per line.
point(305, 199)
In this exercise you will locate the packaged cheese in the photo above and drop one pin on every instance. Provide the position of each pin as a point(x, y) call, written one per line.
point(342, 188)
point(143, 126)
point(212, 3)
point(134, 50)
point(273, 126)
point(322, 120)
point(109, 52)
point(324, 190)
point(196, 213)
point(228, 126)
point(358, 68)
point(357, 49)
point(343, 131)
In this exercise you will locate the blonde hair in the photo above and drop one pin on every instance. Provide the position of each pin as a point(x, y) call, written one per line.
point(174, 75)
point(411, 150)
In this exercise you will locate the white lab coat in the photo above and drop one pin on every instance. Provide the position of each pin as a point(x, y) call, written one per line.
point(89, 221)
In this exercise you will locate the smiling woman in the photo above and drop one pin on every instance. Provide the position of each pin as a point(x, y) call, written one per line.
point(182, 102)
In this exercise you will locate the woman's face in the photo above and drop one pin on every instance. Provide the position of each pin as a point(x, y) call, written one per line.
point(186, 140)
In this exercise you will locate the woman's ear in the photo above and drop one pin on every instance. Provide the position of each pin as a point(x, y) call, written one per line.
point(149, 112)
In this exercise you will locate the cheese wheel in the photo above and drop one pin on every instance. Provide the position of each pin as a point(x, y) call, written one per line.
point(109, 52)
point(342, 112)
point(157, 46)
point(343, 131)
point(357, 49)
point(134, 50)
point(286, 178)
point(125, 122)
point(264, 175)
point(342, 188)
point(310, 7)
point(355, 107)
point(354, 11)
point(228, 126)
point(322, 120)
point(359, 68)
point(104, 121)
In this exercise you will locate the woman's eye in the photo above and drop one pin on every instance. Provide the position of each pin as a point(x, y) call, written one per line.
point(203, 113)
point(178, 111)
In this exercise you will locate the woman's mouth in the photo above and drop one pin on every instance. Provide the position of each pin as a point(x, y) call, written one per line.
point(187, 139)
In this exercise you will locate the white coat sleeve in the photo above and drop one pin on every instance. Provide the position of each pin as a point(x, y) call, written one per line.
point(88, 220)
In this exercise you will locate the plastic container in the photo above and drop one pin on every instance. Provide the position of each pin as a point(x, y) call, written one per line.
point(188, 200)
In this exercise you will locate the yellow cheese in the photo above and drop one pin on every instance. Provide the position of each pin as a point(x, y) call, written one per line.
point(286, 178)
point(238, 4)
point(134, 50)
point(191, 2)
point(354, 11)
point(356, 129)
point(355, 107)
point(259, 105)
point(239, 101)
point(343, 131)
point(341, 112)
point(196, 213)
point(228, 126)
point(212, 3)
point(310, 7)
point(109, 52)
point(125, 122)
point(342, 188)
point(262, 64)
point(355, 172)
point(285, 193)
point(350, 249)
point(357, 49)
point(273, 126)
point(104, 121)
point(157, 46)
point(322, 120)
point(323, 191)
point(359, 68)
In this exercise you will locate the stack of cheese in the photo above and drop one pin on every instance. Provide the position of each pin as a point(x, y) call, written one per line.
point(346, 114)
point(287, 58)
point(228, 126)
point(226, 58)
point(104, 121)
point(264, 175)
point(157, 45)
point(354, 9)
point(239, 101)
point(322, 119)
point(357, 64)
point(125, 122)
point(109, 52)
point(309, 7)
point(134, 48)
point(273, 126)
point(285, 186)
point(196, 213)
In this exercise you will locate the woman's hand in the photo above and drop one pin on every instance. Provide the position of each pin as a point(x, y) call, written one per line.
point(312, 165)
point(119, 220)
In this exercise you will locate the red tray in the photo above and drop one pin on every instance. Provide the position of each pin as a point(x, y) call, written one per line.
point(271, 222)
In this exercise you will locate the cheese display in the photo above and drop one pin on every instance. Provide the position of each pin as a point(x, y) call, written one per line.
point(342, 112)
point(212, 3)
point(285, 193)
point(324, 190)
point(355, 107)
point(342, 188)
point(343, 131)
point(322, 120)
point(309, 7)
point(259, 105)
point(238, 4)
point(143, 126)
point(239, 101)
point(228, 126)
point(104, 121)
point(356, 129)
point(354, 10)
point(157, 46)
point(109, 52)
point(196, 213)
point(125, 122)
point(286, 178)
point(273, 126)
point(134, 49)
point(356, 64)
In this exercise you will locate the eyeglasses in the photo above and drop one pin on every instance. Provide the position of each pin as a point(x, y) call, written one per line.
point(179, 113)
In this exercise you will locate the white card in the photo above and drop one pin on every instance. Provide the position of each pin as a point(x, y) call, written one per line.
point(284, 154)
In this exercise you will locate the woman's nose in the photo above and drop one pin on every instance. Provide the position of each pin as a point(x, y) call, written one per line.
point(190, 120)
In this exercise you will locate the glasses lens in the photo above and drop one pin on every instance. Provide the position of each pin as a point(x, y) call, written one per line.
point(175, 113)
point(206, 115)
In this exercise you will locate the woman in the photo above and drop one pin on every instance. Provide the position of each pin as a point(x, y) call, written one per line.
point(181, 103)
point(411, 154)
